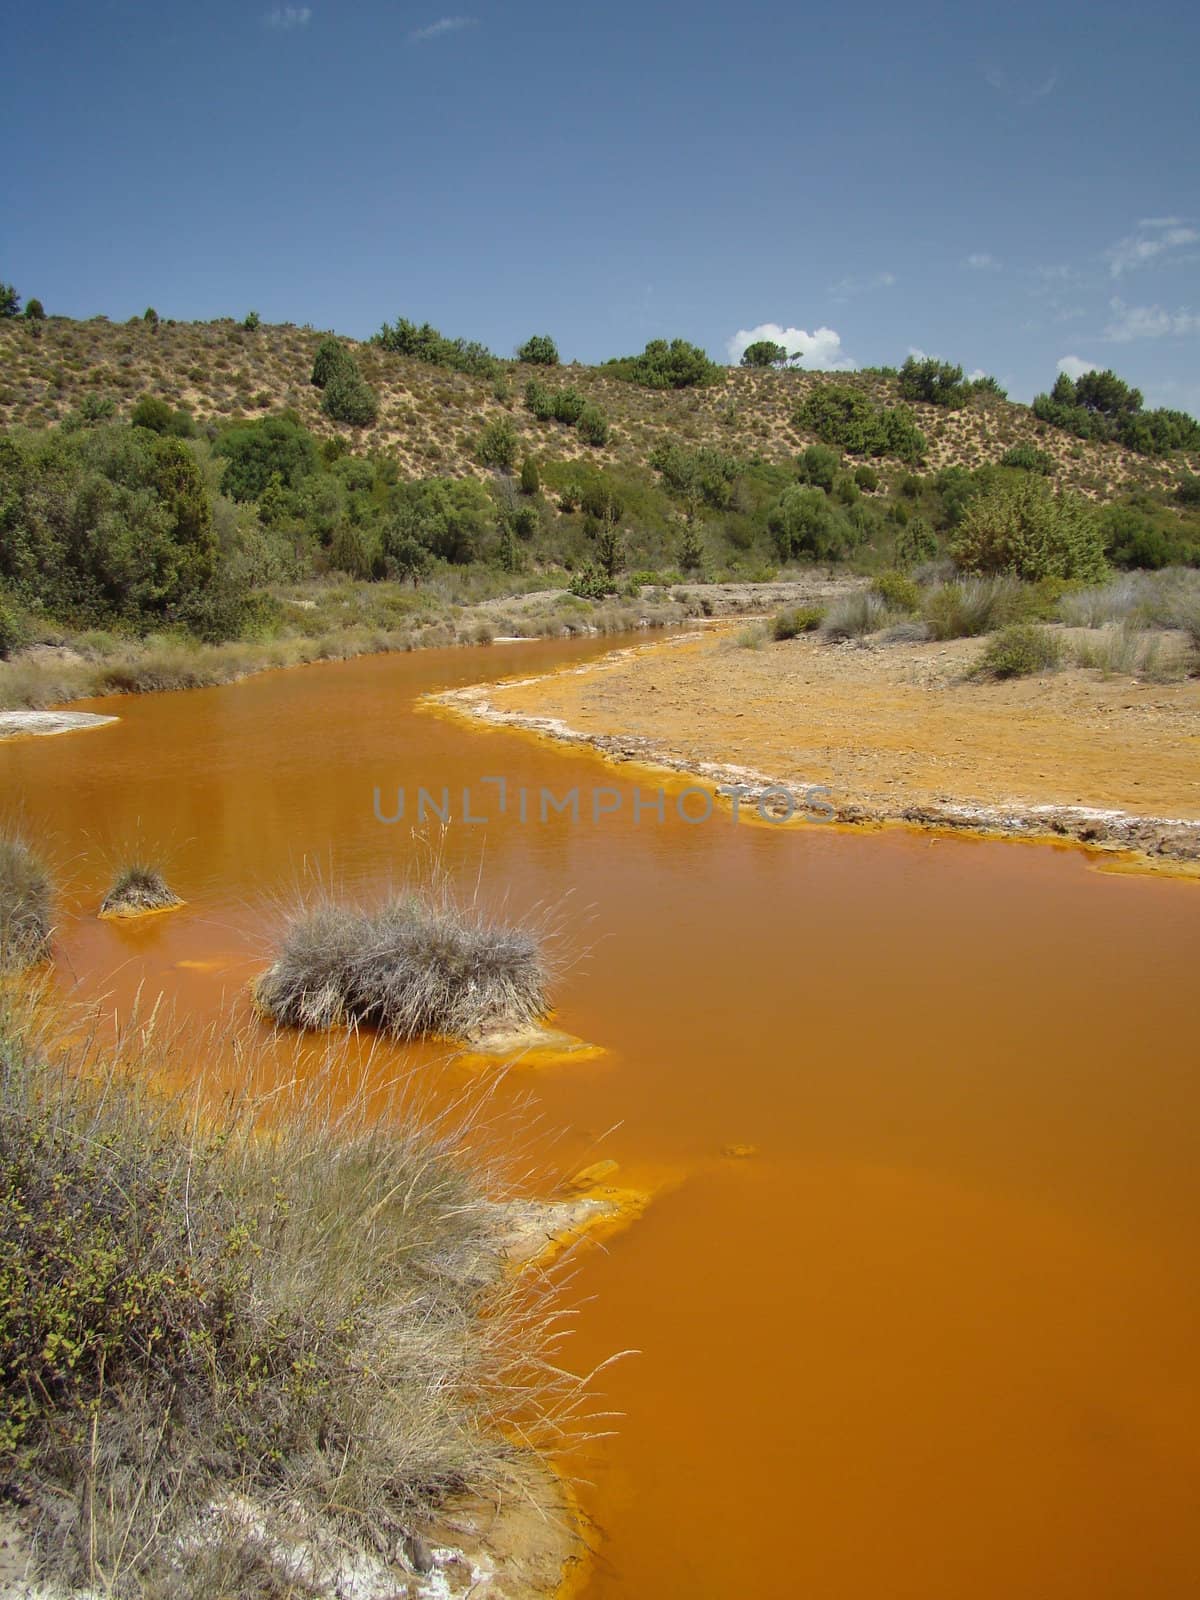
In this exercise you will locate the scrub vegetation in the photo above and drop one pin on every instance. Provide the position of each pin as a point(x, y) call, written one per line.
point(284, 495)
point(26, 905)
point(218, 1330)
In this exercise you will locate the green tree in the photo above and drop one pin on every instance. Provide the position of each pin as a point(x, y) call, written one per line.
point(663, 365)
point(332, 359)
point(937, 383)
point(349, 398)
point(10, 301)
point(764, 353)
point(592, 426)
point(530, 479)
point(35, 311)
point(404, 556)
point(819, 466)
point(804, 523)
point(539, 351)
point(255, 451)
point(150, 317)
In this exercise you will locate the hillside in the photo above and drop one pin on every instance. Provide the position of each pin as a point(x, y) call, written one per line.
point(430, 417)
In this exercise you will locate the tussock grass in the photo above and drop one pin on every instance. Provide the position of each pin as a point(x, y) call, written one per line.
point(1163, 599)
point(26, 905)
point(278, 1307)
point(972, 606)
point(858, 614)
point(421, 963)
point(138, 887)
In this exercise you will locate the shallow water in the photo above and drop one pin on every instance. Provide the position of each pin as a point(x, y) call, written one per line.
point(938, 1336)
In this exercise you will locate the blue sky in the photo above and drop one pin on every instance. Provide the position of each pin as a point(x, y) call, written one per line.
point(1007, 186)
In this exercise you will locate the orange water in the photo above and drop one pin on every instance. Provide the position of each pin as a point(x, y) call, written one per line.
point(939, 1336)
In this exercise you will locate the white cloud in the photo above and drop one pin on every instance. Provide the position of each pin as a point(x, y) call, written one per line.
point(434, 30)
point(844, 288)
point(1024, 91)
point(1156, 237)
point(287, 17)
point(1149, 322)
point(1075, 366)
point(819, 351)
point(982, 261)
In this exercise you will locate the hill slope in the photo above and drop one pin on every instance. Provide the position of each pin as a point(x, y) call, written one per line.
point(430, 417)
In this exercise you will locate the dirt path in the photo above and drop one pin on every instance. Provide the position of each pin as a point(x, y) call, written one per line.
point(894, 732)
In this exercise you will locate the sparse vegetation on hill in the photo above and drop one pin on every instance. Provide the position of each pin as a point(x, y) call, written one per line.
point(158, 475)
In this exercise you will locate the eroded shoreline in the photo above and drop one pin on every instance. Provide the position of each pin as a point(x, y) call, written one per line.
point(597, 706)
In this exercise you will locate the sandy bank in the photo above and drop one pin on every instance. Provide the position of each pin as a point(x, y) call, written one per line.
point(29, 724)
point(894, 733)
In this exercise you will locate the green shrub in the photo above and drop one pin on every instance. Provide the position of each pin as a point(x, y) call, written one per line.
point(150, 317)
point(35, 311)
point(804, 523)
point(26, 909)
point(819, 465)
point(1017, 651)
point(1187, 490)
point(589, 583)
point(427, 344)
point(569, 406)
point(663, 365)
point(539, 400)
point(592, 426)
point(530, 478)
point(844, 416)
point(866, 478)
point(1020, 527)
point(915, 543)
point(349, 398)
point(251, 322)
point(1028, 458)
point(539, 351)
point(103, 523)
point(498, 443)
point(255, 452)
point(13, 632)
point(897, 591)
point(202, 1315)
point(159, 417)
point(331, 359)
point(795, 620)
point(10, 301)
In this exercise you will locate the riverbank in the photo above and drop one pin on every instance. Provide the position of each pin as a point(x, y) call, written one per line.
point(893, 733)
point(92, 665)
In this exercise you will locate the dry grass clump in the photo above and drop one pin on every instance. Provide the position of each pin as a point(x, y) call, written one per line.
point(1124, 650)
point(972, 606)
point(857, 615)
point(303, 1316)
point(422, 963)
point(138, 888)
point(26, 905)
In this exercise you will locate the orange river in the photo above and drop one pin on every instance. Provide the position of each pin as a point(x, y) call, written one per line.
point(938, 1336)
